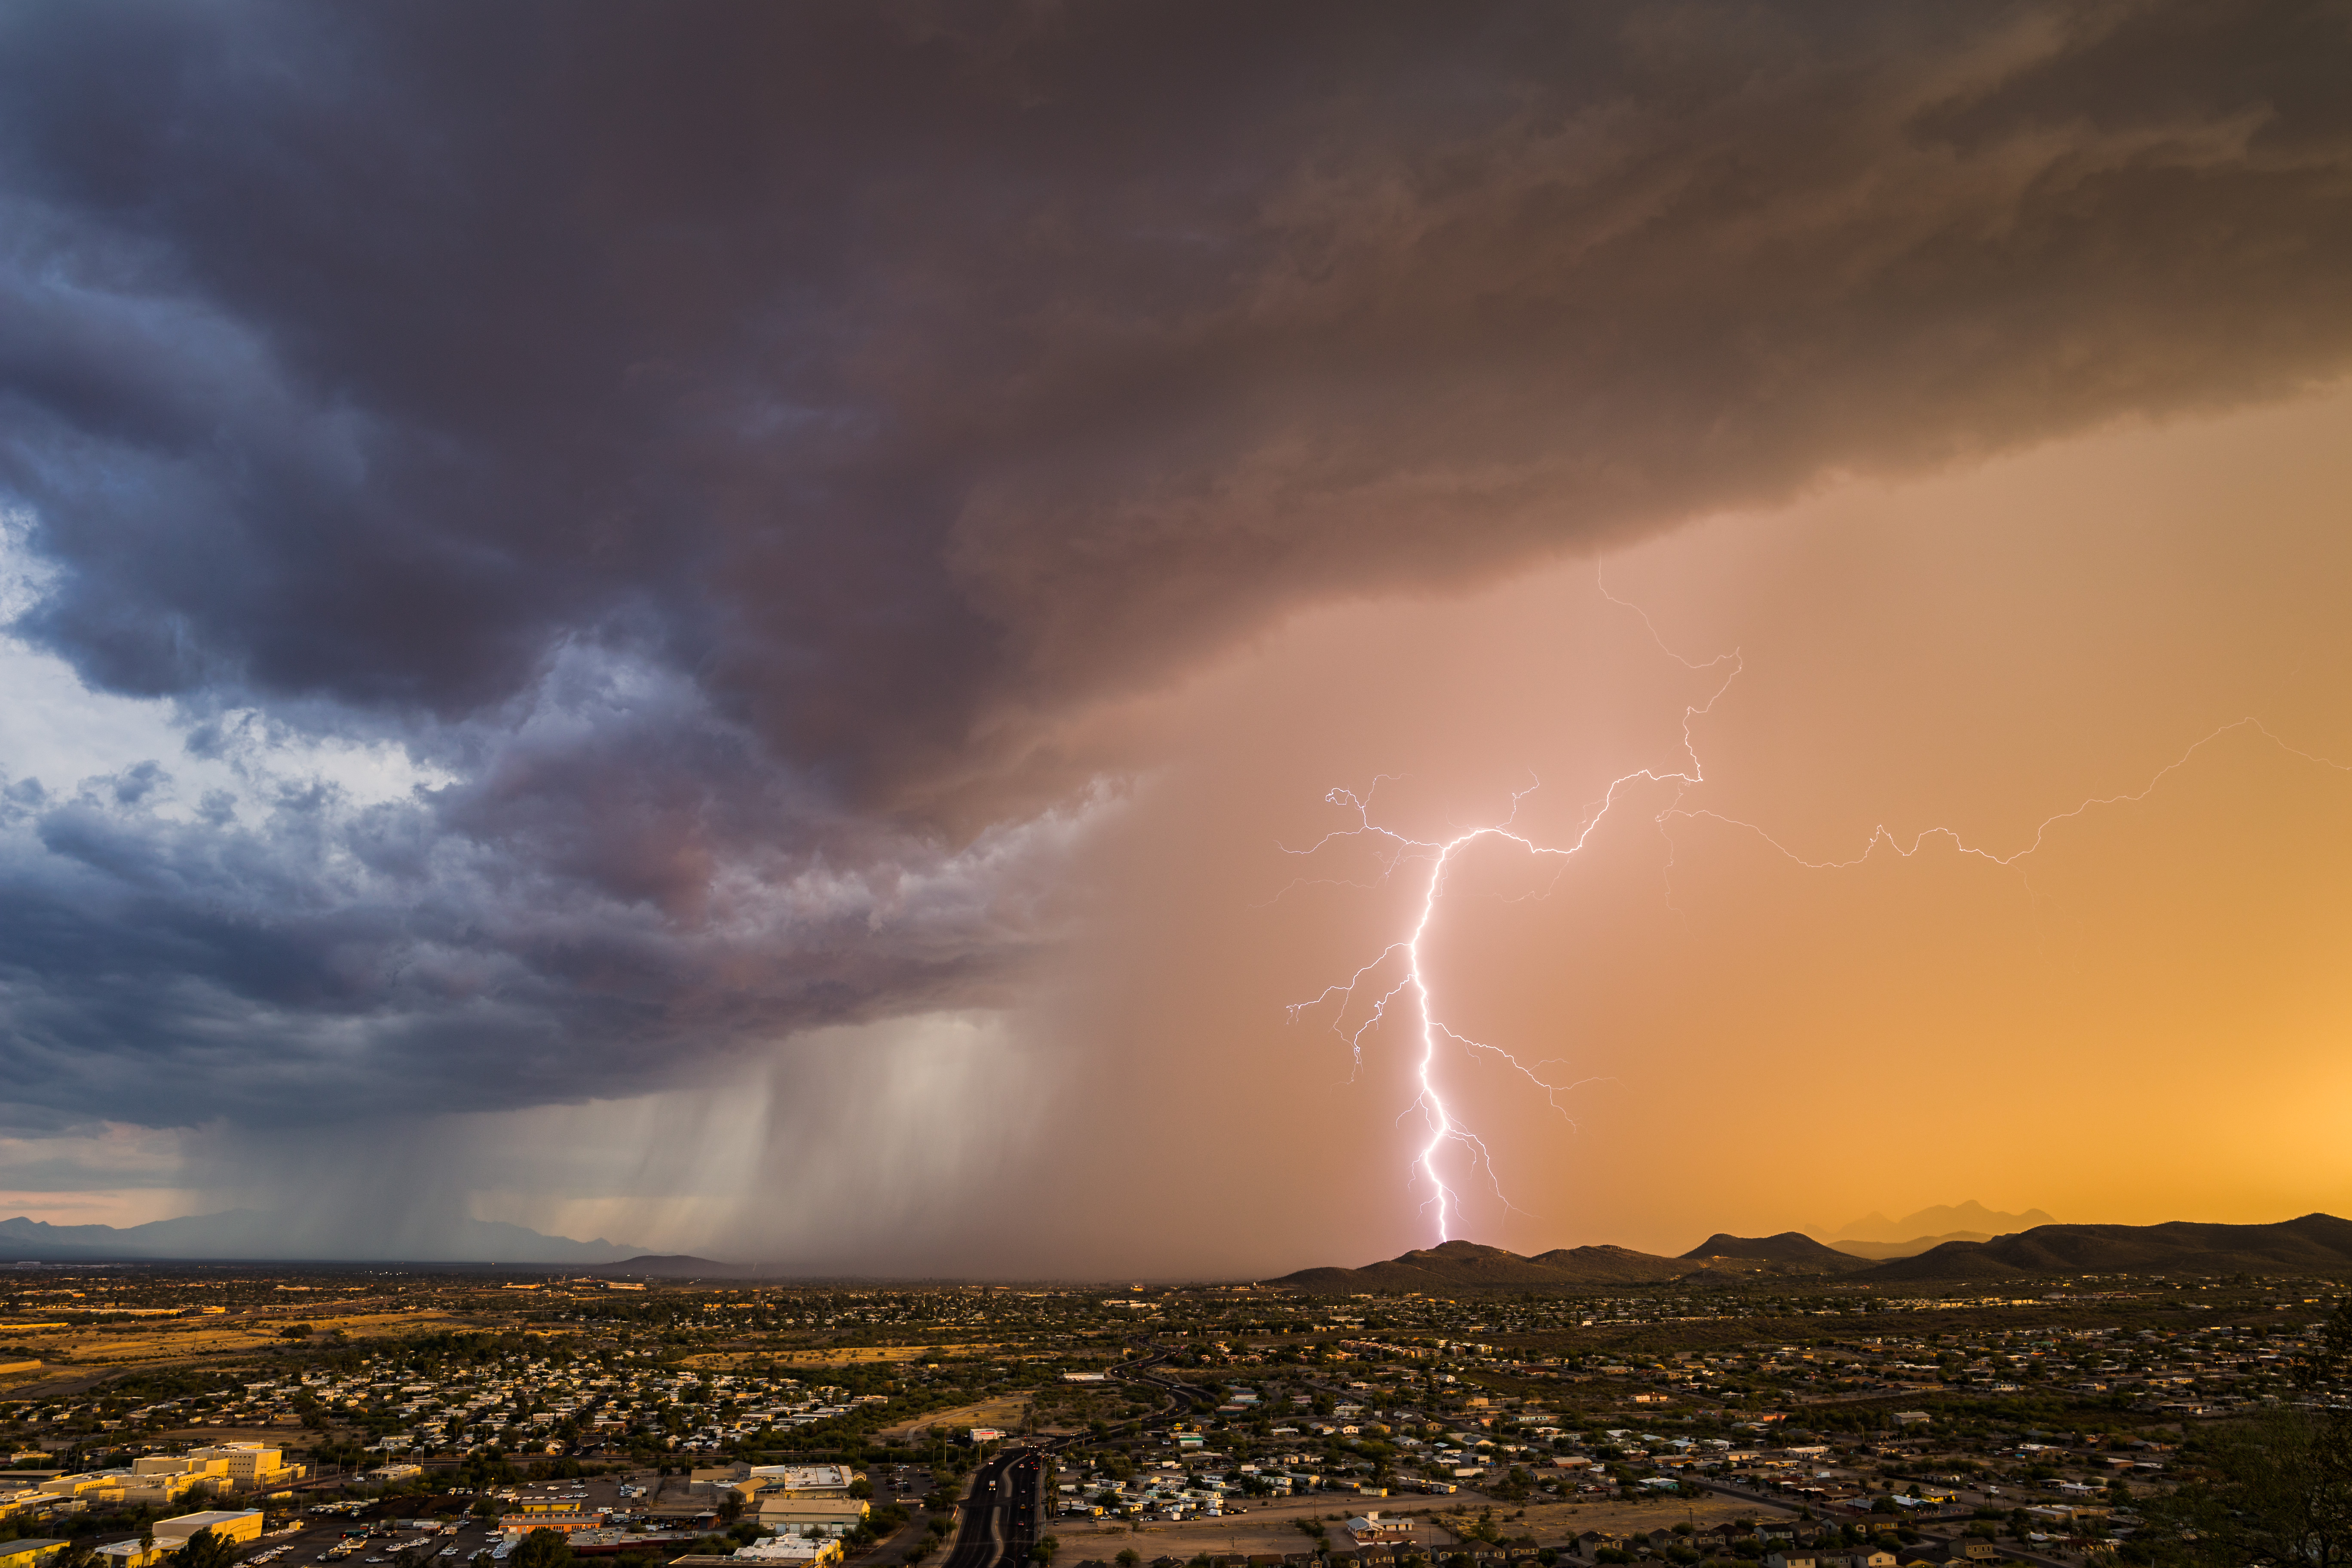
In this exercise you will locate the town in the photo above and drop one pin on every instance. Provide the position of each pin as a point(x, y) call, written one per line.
point(202, 1416)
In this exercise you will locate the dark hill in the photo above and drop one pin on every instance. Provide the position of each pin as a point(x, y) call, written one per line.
point(2317, 1242)
point(1466, 1266)
point(1789, 1247)
point(1606, 1265)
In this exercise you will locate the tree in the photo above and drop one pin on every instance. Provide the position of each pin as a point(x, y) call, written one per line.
point(2276, 1486)
point(543, 1549)
point(1128, 1557)
point(204, 1550)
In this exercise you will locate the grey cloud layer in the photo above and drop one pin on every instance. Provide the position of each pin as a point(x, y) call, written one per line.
point(877, 380)
point(623, 890)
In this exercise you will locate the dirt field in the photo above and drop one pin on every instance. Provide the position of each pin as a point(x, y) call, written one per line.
point(76, 1356)
point(1008, 1412)
point(1269, 1527)
point(291, 1435)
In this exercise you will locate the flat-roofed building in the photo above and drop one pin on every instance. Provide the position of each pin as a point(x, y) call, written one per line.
point(801, 1480)
point(226, 1524)
point(28, 1554)
point(791, 1551)
point(131, 1553)
point(569, 1520)
point(836, 1514)
point(252, 1463)
point(158, 1480)
point(89, 1486)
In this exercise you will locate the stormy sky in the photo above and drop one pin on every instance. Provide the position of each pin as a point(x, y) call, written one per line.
point(709, 625)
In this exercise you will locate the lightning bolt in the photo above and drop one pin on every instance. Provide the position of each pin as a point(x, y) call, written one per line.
point(1445, 1127)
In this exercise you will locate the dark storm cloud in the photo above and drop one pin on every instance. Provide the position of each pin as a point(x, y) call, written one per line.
point(868, 383)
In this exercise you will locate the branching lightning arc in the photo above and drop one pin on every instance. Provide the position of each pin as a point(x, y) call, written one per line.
point(1412, 984)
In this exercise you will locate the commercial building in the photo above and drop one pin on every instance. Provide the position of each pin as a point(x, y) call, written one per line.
point(253, 1464)
point(157, 1480)
point(548, 1515)
point(813, 1516)
point(28, 1554)
point(84, 1487)
point(238, 1525)
point(791, 1551)
point(519, 1524)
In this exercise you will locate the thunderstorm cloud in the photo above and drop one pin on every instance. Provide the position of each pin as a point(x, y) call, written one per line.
point(613, 503)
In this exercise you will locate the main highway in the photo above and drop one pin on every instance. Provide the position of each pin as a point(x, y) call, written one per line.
point(1003, 1510)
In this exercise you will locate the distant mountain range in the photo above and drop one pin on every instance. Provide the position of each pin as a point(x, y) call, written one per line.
point(1875, 1235)
point(2317, 1243)
point(1466, 1266)
point(259, 1235)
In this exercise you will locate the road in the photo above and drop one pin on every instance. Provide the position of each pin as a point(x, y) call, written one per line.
point(1000, 1507)
point(1002, 1512)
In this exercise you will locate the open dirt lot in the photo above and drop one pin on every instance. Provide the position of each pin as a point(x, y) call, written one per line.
point(1008, 1412)
point(190, 1339)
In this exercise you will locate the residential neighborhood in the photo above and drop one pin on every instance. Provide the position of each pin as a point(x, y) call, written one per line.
point(1790, 1422)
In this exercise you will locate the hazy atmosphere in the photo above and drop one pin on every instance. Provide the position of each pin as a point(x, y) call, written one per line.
point(796, 633)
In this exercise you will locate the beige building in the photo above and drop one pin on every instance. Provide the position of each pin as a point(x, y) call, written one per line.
point(802, 1480)
point(29, 1554)
point(811, 1515)
point(253, 1464)
point(86, 1488)
point(159, 1479)
point(239, 1525)
point(803, 1499)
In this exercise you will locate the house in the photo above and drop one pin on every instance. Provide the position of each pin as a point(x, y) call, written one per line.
point(1369, 1529)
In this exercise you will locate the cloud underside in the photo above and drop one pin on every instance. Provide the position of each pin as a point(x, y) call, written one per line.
point(723, 445)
